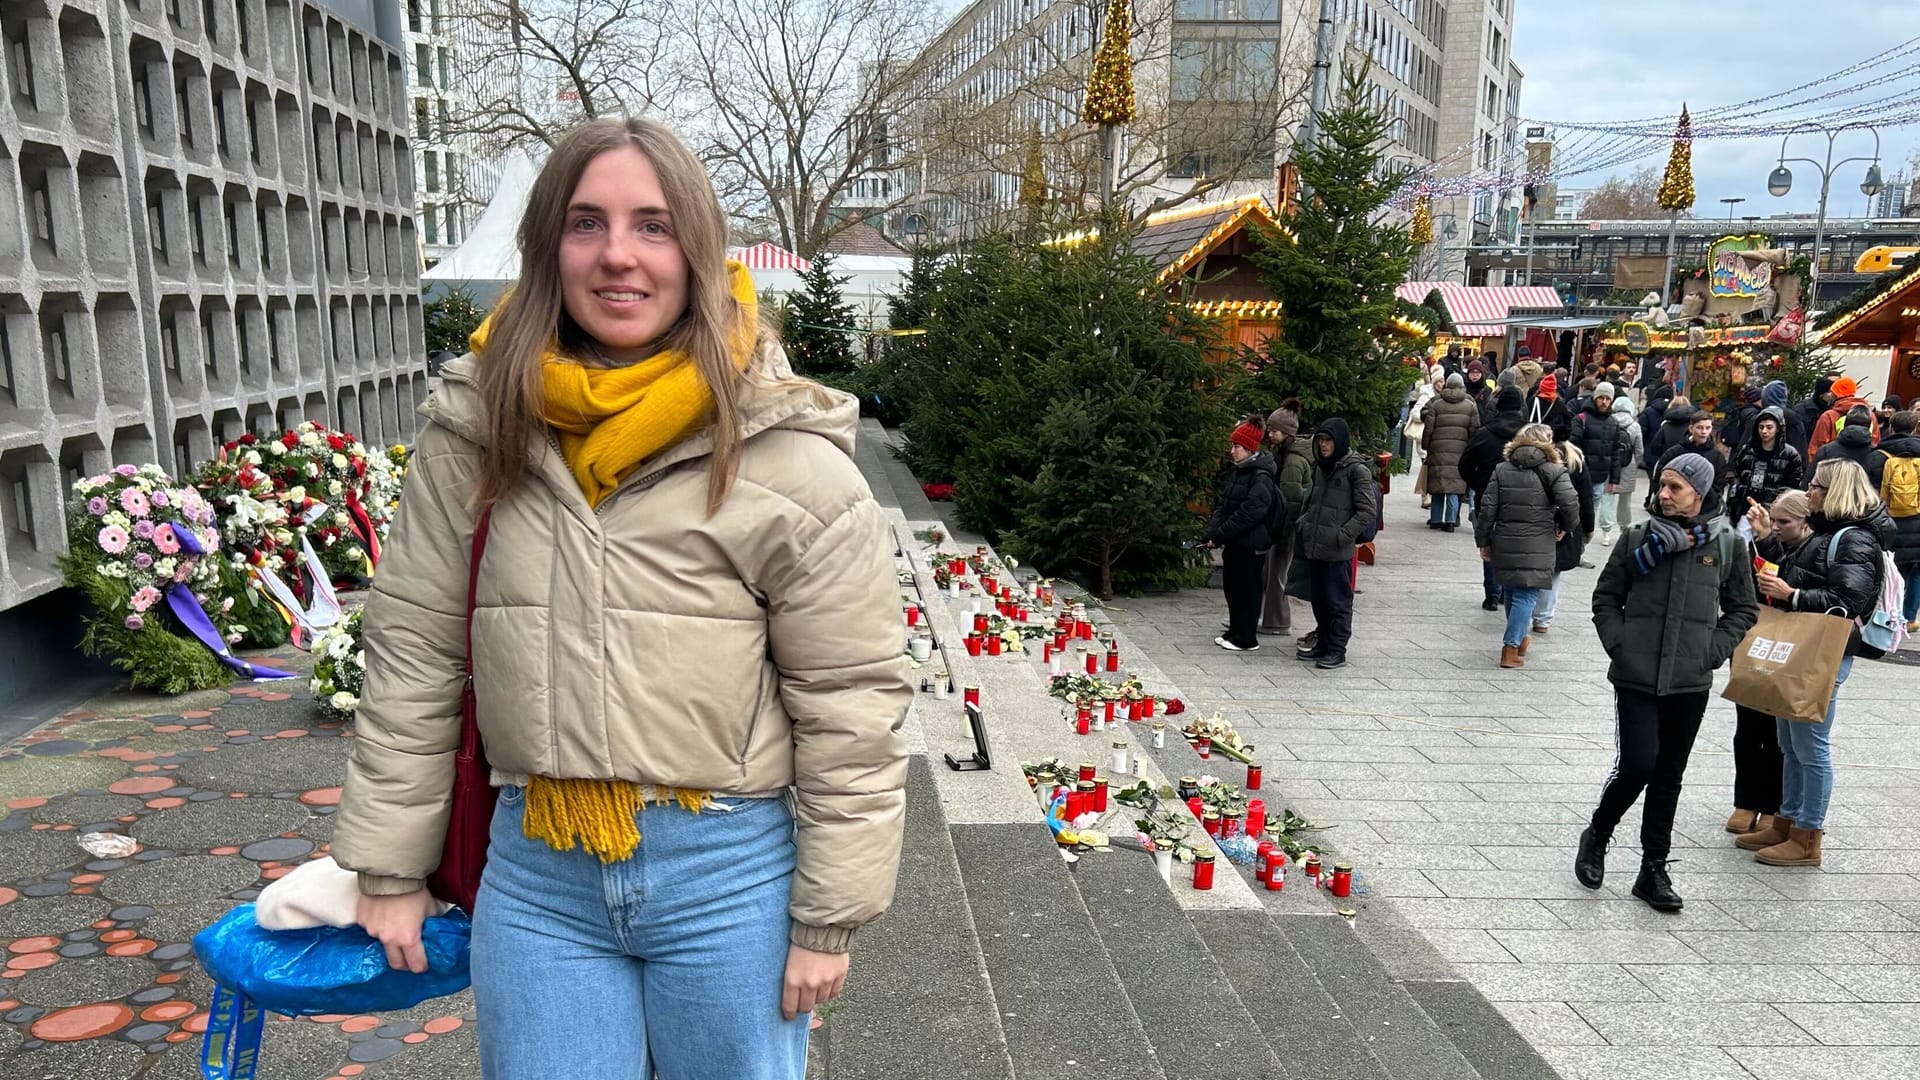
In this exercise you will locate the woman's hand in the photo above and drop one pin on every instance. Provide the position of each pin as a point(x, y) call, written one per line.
point(1486, 554)
point(1760, 521)
point(813, 979)
point(1772, 587)
point(394, 921)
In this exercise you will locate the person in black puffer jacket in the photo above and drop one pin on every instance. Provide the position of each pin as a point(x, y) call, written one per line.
point(1239, 528)
point(1607, 448)
point(1836, 571)
point(1529, 505)
point(1766, 466)
point(1342, 506)
point(1903, 444)
point(1854, 440)
point(1484, 453)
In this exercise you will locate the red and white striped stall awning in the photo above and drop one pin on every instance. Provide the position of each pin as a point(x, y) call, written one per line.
point(767, 255)
point(1481, 310)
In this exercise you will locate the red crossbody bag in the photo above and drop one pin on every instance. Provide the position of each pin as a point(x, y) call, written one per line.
point(464, 854)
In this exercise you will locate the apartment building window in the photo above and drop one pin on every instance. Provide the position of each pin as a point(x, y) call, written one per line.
point(240, 27)
point(142, 102)
point(434, 7)
point(429, 223)
point(413, 15)
point(453, 215)
point(22, 499)
point(206, 344)
point(173, 14)
point(40, 198)
point(446, 68)
point(157, 226)
point(420, 121)
point(432, 159)
point(422, 65)
point(196, 229)
point(446, 121)
point(260, 231)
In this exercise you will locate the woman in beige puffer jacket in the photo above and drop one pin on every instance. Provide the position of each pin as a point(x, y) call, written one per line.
point(1451, 419)
point(686, 651)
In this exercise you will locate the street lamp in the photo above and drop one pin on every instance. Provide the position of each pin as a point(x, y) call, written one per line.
point(1448, 231)
point(1732, 202)
point(1780, 181)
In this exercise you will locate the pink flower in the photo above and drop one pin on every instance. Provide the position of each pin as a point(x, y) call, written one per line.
point(126, 470)
point(145, 598)
point(143, 529)
point(135, 622)
point(164, 539)
point(97, 506)
point(113, 539)
point(143, 560)
point(184, 570)
point(133, 502)
point(161, 498)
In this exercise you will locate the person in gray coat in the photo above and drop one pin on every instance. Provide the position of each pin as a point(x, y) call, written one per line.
point(1450, 421)
point(1530, 504)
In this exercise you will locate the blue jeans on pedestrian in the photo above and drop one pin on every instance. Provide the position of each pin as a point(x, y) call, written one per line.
point(1494, 590)
point(1806, 762)
point(1603, 507)
point(1520, 603)
point(1445, 510)
point(1549, 600)
point(671, 961)
point(1912, 607)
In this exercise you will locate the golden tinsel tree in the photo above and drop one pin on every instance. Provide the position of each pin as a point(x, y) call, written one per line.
point(1676, 188)
point(1110, 85)
point(1421, 231)
point(1033, 173)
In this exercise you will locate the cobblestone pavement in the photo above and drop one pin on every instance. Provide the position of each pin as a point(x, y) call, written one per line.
point(224, 791)
point(1459, 789)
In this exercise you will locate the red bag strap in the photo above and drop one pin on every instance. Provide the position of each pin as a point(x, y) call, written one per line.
point(480, 528)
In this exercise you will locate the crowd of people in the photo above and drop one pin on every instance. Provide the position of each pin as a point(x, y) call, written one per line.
point(1809, 507)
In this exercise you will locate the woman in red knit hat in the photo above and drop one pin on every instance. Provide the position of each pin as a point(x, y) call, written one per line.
point(1240, 526)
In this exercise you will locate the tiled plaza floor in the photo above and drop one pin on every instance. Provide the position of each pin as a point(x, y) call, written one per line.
point(1459, 788)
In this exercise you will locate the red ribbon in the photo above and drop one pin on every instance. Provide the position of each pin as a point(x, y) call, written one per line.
point(363, 527)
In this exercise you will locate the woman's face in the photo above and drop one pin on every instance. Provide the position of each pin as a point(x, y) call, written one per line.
point(1816, 497)
point(1792, 530)
point(623, 277)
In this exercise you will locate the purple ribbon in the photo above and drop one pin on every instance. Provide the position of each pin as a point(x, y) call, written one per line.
point(187, 610)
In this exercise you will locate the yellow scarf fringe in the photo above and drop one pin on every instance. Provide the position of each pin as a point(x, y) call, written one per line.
point(601, 817)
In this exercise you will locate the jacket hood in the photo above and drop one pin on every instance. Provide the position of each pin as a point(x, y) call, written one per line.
point(1680, 415)
point(1901, 445)
point(1774, 395)
point(1509, 400)
point(1260, 461)
point(1453, 393)
point(1623, 406)
point(1527, 457)
point(771, 397)
point(1779, 418)
point(1342, 441)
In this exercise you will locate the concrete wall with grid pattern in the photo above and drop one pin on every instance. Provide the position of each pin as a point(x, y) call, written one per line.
point(206, 228)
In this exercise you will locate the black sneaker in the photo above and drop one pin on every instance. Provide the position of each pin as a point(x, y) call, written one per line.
point(1231, 647)
point(1590, 864)
point(1331, 661)
point(1489, 604)
point(1655, 887)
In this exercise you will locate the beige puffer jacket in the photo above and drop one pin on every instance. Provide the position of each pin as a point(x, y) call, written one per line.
point(744, 653)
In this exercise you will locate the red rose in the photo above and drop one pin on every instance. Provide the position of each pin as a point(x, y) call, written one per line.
point(336, 442)
point(248, 439)
point(1175, 706)
point(289, 440)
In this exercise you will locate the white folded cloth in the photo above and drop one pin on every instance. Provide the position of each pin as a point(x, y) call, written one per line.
point(317, 893)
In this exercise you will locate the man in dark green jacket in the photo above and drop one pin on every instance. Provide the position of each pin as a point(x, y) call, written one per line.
point(1296, 475)
point(1673, 603)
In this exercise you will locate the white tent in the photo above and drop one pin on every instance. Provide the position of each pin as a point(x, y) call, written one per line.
point(489, 259)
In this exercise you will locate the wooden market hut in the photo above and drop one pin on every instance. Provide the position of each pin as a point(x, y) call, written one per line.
point(1887, 320)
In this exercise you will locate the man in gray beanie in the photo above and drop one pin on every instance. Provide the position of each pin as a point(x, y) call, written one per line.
point(1674, 601)
point(1296, 472)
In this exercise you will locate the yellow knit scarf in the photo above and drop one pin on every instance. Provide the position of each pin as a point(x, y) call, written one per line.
point(609, 421)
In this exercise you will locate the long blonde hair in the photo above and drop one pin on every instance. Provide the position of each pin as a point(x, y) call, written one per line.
point(533, 318)
point(1849, 494)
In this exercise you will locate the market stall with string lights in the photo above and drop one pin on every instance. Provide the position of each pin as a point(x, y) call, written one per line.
point(1889, 320)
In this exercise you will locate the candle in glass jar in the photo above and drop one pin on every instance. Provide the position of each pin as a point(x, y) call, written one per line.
point(1203, 870)
point(1204, 747)
point(1119, 757)
point(1100, 785)
point(1159, 735)
point(1254, 776)
point(1342, 885)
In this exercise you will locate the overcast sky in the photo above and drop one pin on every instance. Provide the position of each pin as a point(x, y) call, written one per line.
point(1595, 60)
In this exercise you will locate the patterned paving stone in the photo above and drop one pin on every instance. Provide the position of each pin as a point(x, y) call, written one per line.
point(179, 922)
point(50, 915)
point(23, 778)
point(185, 879)
point(219, 823)
point(93, 1060)
point(35, 852)
point(267, 767)
point(82, 982)
point(88, 810)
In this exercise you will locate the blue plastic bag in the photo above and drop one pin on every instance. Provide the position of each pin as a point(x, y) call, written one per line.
point(312, 973)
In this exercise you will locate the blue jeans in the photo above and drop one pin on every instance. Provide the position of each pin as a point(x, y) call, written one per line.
point(1549, 599)
point(1806, 762)
point(672, 961)
point(1494, 590)
point(1912, 575)
point(1603, 507)
point(1520, 603)
point(1445, 510)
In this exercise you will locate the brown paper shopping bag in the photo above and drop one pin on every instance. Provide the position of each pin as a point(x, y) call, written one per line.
point(1788, 662)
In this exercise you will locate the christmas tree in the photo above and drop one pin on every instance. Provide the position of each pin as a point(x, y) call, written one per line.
point(1676, 187)
point(820, 323)
point(1110, 84)
point(1033, 173)
point(1421, 231)
point(450, 319)
point(1336, 277)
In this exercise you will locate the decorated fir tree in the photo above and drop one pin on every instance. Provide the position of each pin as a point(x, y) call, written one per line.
point(1033, 173)
point(1336, 276)
point(819, 326)
point(1676, 187)
point(1421, 230)
point(1110, 84)
point(451, 318)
